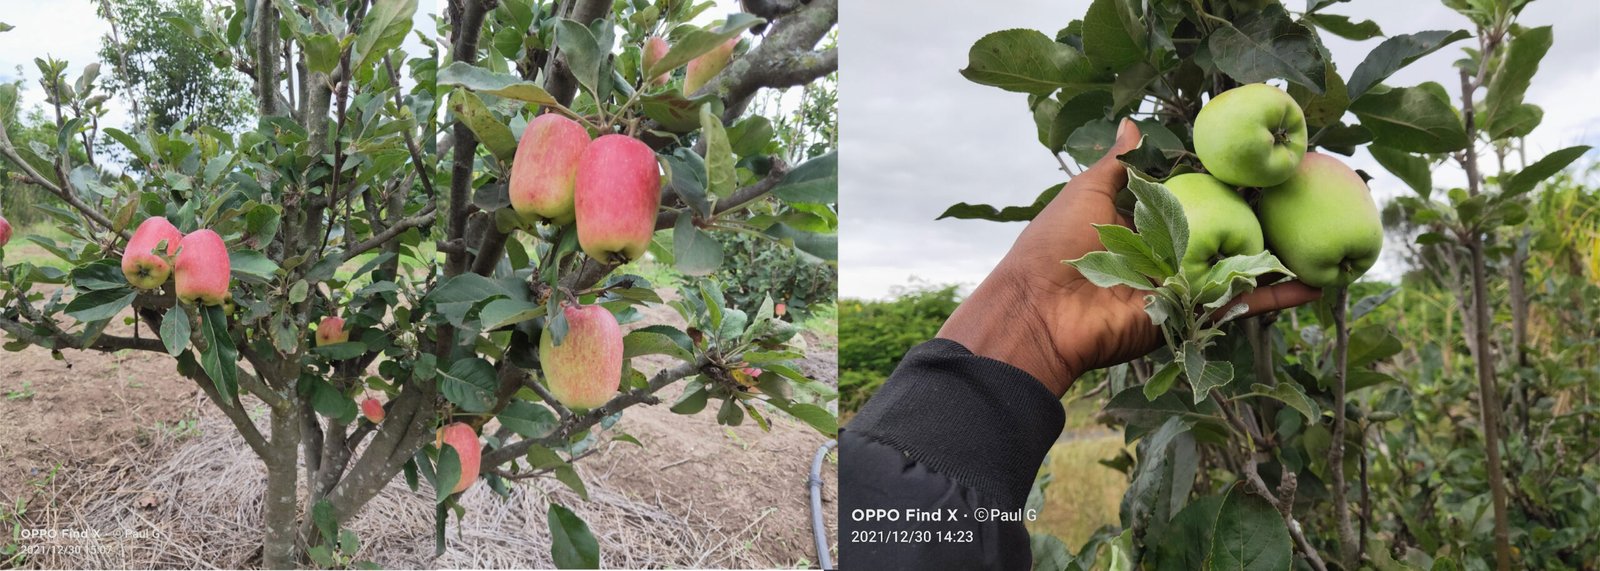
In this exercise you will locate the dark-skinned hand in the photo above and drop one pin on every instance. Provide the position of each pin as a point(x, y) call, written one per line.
point(1042, 316)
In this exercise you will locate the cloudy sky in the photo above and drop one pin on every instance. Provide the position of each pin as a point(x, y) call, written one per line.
point(918, 137)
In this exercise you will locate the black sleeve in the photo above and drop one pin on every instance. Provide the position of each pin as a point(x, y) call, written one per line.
point(949, 434)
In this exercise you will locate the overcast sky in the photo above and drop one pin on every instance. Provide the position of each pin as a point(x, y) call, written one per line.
point(918, 137)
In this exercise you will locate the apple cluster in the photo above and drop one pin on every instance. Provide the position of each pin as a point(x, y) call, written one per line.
point(1314, 213)
point(198, 262)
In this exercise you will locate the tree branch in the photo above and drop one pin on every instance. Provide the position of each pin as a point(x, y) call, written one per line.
point(577, 423)
point(738, 199)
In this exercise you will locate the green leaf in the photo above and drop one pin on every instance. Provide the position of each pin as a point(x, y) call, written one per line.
point(819, 418)
point(327, 523)
point(643, 342)
point(252, 266)
point(1160, 220)
point(695, 252)
point(691, 402)
point(675, 113)
point(220, 359)
point(490, 131)
point(329, 402)
point(1091, 141)
point(383, 29)
point(1057, 121)
point(964, 211)
point(1290, 394)
point(719, 154)
point(341, 351)
point(1268, 45)
point(502, 312)
point(1215, 374)
point(1413, 170)
point(1186, 540)
point(1415, 119)
point(1395, 53)
point(1342, 26)
point(1165, 475)
point(689, 43)
point(175, 330)
point(1135, 252)
point(100, 305)
point(99, 275)
point(456, 296)
point(1106, 269)
point(1113, 34)
point(528, 420)
point(321, 51)
point(1512, 76)
point(582, 51)
point(1527, 178)
point(1162, 381)
point(1129, 88)
point(1250, 535)
point(815, 181)
point(446, 474)
point(470, 383)
point(481, 80)
point(569, 476)
point(1027, 61)
point(572, 546)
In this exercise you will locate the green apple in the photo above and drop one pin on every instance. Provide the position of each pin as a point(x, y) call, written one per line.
point(1251, 136)
point(1221, 224)
point(1322, 222)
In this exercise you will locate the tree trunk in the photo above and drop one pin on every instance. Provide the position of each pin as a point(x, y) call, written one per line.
point(281, 504)
point(1349, 544)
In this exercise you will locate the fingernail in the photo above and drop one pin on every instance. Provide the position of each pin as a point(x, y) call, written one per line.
point(1122, 127)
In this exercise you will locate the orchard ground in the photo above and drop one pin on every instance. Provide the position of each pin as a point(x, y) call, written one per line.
point(115, 442)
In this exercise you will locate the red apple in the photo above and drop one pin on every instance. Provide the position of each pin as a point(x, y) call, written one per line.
point(586, 368)
point(655, 48)
point(373, 410)
point(707, 65)
point(145, 267)
point(202, 269)
point(5, 231)
point(780, 309)
point(617, 193)
point(331, 330)
point(545, 166)
point(461, 437)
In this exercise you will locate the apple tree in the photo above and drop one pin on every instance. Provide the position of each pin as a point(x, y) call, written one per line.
point(1255, 436)
point(368, 199)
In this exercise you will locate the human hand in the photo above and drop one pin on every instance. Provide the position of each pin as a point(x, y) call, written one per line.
point(1042, 316)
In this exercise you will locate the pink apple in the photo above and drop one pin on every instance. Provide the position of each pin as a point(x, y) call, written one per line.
point(707, 65)
point(586, 368)
point(5, 231)
point(544, 168)
point(144, 266)
point(616, 197)
point(331, 330)
point(655, 48)
point(373, 410)
point(202, 269)
point(461, 437)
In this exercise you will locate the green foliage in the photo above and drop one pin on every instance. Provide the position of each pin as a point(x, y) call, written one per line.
point(755, 268)
point(168, 73)
point(874, 335)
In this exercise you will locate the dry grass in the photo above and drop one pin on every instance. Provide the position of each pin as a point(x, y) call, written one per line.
point(195, 503)
point(1083, 495)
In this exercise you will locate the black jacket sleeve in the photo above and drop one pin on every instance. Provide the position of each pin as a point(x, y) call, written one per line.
point(951, 436)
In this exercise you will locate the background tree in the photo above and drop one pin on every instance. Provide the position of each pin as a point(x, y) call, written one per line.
point(167, 75)
point(380, 199)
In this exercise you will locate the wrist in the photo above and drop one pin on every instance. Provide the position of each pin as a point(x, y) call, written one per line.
point(999, 322)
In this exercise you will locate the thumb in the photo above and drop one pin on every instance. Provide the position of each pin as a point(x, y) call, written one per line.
point(1108, 175)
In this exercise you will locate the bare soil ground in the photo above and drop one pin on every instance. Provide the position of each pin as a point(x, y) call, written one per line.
point(120, 443)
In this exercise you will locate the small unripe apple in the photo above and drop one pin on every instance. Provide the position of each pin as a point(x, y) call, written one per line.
point(545, 167)
point(586, 368)
point(144, 266)
point(461, 437)
point(331, 330)
point(1252, 135)
point(5, 231)
point(373, 410)
point(707, 65)
point(1322, 223)
point(616, 197)
point(202, 272)
point(655, 48)
point(1221, 223)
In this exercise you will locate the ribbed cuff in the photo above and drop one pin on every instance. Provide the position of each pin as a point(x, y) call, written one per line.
point(982, 423)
